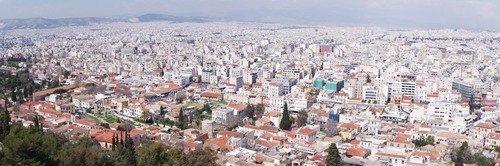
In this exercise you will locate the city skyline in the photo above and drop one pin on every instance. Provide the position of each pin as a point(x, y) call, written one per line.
point(461, 14)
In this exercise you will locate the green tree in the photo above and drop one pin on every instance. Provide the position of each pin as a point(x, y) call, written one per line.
point(176, 158)
point(124, 153)
point(4, 123)
point(207, 109)
point(198, 122)
point(180, 117)
point(333, 158)
point(13, 96)
point(25, 92)
point(82, 155)
point(30, 90)
point(482, 160)
point(113, 143)
point(202, 157)
point(462, 155)
point(302, 118)
point(285, 123)
point(30, 146)
point(152, 154)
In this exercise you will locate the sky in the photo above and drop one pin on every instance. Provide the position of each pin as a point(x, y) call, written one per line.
point(466, 14)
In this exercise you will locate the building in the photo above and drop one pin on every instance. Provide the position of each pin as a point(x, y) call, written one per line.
point(370, 93)
point(334, 85)
point(306, 134)
point(237, 81)
point(205, 75)
point(465, 88)
point(287, 83)
point(276, 89)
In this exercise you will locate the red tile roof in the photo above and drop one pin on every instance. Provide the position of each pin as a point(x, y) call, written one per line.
point(210, 95)
point(228, 133)
point(357, 151)
point(275, 84)
point(306, 131)
point(237, 106)
point(51, 111)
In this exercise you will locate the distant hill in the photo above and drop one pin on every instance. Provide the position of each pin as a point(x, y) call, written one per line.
point(44, 23)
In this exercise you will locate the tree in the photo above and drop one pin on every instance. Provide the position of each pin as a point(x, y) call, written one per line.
point(180, 117)
point(60, 91)
point(462, 155)
point(202, 157)
point(207, 109)
point(259, 110)
point(145, 115)
point(152, 154)
point(25, 92)
point(255, 111)
point(4, 123)
point(285, 123)
point(125, 152)
point(176, 157)
point(331, 128)
point(198, 122)
point(179, 100)
point(302, 118)
point(30, 90)
point(113, 143)
point(423, 141)
point(13, 96)
point(482, 160)
point(30, 146)
point(82, 155)
point(333, 158)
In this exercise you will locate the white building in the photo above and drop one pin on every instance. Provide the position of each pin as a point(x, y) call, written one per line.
point(276, 89)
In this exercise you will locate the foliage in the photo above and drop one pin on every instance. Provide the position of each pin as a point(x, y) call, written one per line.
point(482, 160)
point(331, 128)
point(180, 117)
point(206, 108)
point(285, 123)
point(202, 157)
point(4, 123)
point(423, 141)
point(152, 154)
point(81, 154)
point(255, 111)
point(60, 91)
point(462, 155)
point(333, 157)
point(30, 146)
point(302, 118)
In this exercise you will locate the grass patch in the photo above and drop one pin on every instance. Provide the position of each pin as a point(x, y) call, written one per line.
point(111, 119)
point(197, 105)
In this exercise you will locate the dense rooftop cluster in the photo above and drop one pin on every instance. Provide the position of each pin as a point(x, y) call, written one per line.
point(381, 96)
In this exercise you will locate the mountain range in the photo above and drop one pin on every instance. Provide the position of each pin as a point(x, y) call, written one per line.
point(44, 23)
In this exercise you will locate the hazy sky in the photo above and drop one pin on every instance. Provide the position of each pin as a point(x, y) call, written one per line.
point(469, 14)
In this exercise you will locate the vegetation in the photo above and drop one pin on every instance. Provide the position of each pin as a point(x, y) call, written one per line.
point(18, 87)
point(33, 146)
point(333, 158)
point(462, 155)
point(331, 128)
point(302, 118)
point(423, 141)
point(286, 123)
point(255, 111)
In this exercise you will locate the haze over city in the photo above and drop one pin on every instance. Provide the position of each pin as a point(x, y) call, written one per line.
point(467, 14)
